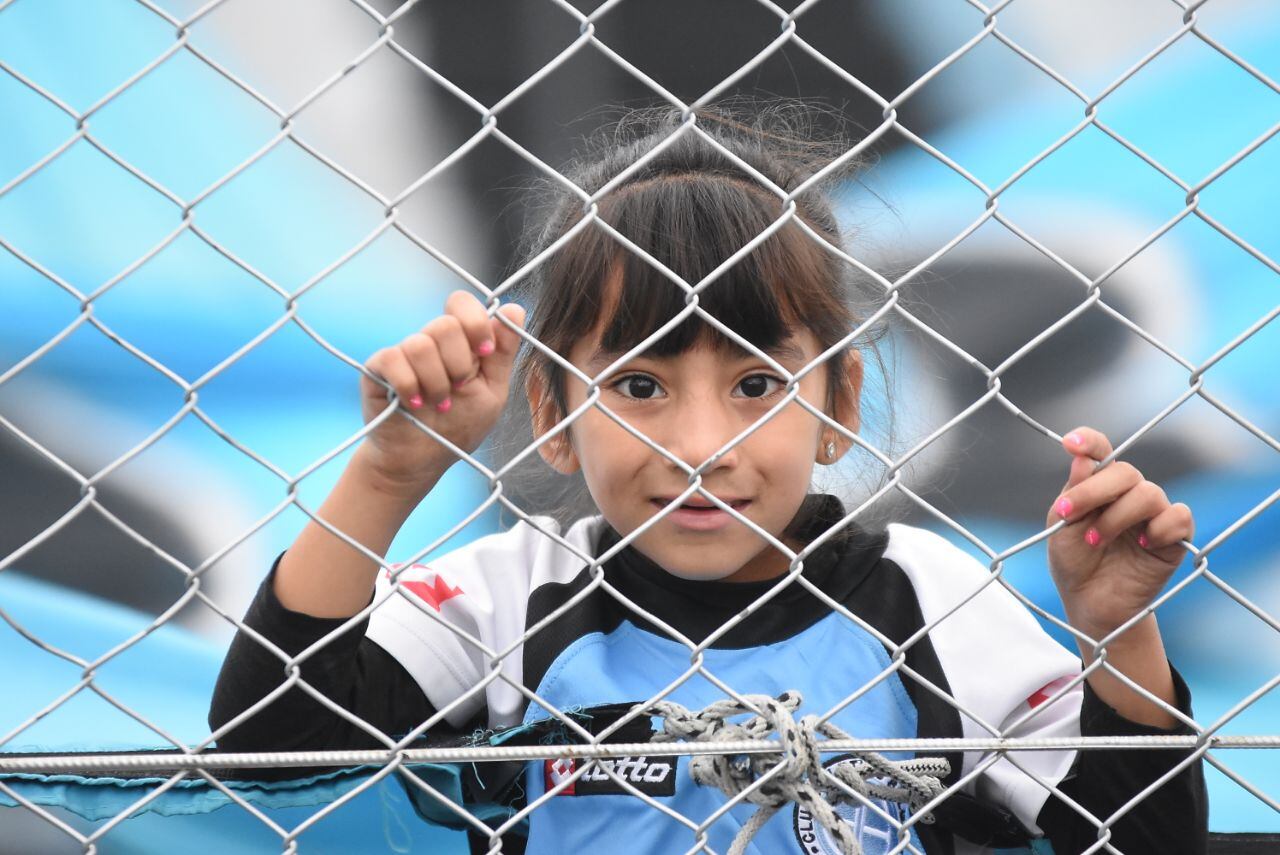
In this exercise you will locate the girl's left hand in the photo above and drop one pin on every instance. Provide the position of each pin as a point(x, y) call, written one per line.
point(1122, 540)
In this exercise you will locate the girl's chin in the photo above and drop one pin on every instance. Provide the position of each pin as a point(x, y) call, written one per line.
point(700, 574)
point(677, 562)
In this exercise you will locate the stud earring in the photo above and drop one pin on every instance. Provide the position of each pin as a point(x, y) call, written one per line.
point(831, 450)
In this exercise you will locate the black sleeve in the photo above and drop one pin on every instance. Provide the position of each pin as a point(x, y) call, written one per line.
point(349, 669)
point(1172, 820)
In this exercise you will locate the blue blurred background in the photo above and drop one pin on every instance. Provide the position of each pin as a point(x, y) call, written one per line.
point(83, 220)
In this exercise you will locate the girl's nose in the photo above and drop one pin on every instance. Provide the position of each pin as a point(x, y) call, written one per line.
point(697, 433)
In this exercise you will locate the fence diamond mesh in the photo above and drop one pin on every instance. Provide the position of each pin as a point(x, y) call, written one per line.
point(765, 744)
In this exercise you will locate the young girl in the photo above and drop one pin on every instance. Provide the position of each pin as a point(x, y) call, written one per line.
point(681, 563)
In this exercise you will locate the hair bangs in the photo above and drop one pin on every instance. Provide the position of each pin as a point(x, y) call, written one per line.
point(692, 224)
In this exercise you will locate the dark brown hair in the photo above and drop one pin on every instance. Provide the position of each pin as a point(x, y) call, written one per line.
point(691, 207)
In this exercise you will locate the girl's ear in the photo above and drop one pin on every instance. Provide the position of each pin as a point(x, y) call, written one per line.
point(847, 410)
point(557, 451)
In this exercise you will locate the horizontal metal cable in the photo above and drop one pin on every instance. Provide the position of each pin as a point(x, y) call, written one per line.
point(56, 764)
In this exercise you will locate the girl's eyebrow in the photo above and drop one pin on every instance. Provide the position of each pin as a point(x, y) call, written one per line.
point(785, 351)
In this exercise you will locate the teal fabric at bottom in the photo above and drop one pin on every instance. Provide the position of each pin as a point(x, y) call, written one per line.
point(95, 798)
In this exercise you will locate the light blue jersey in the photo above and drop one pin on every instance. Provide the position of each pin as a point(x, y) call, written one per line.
point(919, 633)
point(631, 663)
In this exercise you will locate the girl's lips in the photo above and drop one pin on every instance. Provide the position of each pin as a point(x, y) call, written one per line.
point(707, 518)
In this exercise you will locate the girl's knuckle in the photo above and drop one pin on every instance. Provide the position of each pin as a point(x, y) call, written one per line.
point(458, 300)
point(454, 340)
point(477, 327)
point(396, 363)
point(440, 327)
point(453, 351)
point(430, 365)
point(401, 371)
point(418, 346)
point(405, 384)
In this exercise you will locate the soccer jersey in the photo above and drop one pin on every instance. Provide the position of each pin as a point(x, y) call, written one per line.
point(893, 634)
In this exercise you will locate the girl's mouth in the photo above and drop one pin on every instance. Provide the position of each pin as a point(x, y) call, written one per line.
point(699, 515)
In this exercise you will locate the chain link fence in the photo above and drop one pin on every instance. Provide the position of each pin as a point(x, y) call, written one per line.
point(189, 760)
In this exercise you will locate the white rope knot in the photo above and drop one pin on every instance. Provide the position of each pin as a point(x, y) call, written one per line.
point(800, 776)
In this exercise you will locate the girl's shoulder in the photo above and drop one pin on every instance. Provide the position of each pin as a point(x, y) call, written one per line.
point(943, 572)
point(537, 549)
point(924, 548)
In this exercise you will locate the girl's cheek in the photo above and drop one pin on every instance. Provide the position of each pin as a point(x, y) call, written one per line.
point(812, 395)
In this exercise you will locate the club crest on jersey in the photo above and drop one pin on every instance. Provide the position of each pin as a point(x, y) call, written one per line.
point(652, 776)
point(876, 834)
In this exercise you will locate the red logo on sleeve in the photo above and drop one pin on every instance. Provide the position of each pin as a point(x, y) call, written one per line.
point(432, 593)
point(1047, 691)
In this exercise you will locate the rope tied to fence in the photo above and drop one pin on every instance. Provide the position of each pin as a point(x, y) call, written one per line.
point(800, 778)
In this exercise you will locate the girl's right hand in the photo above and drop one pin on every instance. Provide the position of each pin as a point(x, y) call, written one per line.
point(453, 375)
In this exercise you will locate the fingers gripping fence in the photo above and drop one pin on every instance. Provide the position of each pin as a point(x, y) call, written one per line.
point(782, 769)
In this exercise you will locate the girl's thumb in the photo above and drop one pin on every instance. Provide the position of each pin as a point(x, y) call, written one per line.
point(508, 339)
point(506, 342)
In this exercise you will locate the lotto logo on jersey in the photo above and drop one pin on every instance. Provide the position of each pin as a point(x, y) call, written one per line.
point(556, 772)
point(653, 777)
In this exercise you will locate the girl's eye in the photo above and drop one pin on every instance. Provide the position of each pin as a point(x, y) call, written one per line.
point(639, 386)
point(759, 386)
point(642, 387)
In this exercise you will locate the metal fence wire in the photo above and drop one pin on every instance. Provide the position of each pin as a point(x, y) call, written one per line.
point(191, 760)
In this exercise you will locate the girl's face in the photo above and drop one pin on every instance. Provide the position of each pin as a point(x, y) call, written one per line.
point(692, 404)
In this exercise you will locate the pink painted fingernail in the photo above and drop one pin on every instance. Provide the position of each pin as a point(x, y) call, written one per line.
point(1075, 439)
point(1143, 542)
point(444, 406)
point(1063, 507)
point(415, 401)
point(485, 348)
point(1092, 537)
